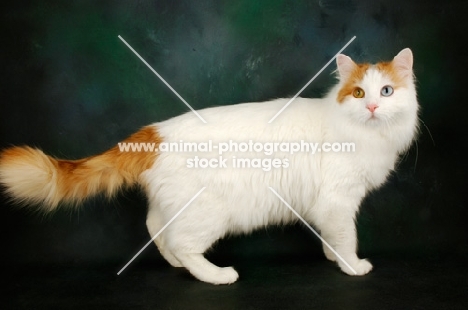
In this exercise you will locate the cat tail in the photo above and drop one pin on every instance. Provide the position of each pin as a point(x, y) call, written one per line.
point(32, 177)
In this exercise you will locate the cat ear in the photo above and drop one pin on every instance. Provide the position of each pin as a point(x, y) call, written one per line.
point(403, 62)
point(345, 66)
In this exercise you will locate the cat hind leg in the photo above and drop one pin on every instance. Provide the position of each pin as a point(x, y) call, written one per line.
point(154, 225)
point(205, 271)
point(190, 236)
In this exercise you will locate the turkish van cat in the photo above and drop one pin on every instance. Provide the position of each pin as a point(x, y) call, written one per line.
point(238, 172)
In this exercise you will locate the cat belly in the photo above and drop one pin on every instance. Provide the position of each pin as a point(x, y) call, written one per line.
point(239, 197)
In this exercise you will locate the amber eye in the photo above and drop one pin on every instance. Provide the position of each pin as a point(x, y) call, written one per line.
point(358, 92)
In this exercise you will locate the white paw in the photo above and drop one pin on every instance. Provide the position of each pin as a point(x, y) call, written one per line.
point(361, 267)
point(226, 275)
point(329, 254)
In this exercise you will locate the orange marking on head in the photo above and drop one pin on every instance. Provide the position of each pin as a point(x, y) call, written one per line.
point(353, 79)
point(386, 68)
point(389, 69)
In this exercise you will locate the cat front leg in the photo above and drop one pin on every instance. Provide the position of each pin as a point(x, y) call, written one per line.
point(340, 235)
point(337, 227)
point(328, 252)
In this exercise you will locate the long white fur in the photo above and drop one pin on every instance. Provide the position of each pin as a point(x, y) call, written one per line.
point(325, 188)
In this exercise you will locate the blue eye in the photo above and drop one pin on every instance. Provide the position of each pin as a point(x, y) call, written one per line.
point(387, 91)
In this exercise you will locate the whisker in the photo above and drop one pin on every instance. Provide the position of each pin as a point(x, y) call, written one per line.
point(427, 128)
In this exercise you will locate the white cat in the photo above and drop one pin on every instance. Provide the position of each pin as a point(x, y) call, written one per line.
point(372, 106)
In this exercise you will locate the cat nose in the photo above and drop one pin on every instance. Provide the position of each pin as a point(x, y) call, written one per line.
point(372, 106)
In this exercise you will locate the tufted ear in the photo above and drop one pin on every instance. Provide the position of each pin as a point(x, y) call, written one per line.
point(403, 62)
point(345, 66)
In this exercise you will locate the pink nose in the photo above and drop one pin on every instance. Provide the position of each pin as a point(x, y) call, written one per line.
point(371, 107)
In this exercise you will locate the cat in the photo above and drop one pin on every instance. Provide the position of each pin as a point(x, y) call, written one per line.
point(373, 106)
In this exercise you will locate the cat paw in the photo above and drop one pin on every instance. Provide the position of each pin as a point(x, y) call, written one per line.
point(329, 254)
point(361, 267)
point(226, 275)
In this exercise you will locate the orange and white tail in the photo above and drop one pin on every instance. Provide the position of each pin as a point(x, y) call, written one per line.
point(30, 176)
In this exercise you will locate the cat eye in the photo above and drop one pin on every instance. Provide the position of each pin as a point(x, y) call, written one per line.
point(387, 91)
point(358, 92)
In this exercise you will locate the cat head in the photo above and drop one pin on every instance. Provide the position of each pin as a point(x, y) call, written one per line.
point(376, 95)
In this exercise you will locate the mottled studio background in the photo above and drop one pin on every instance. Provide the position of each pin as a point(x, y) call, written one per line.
point(70, 86)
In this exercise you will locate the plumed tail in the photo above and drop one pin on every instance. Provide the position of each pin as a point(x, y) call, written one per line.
point(30, 176)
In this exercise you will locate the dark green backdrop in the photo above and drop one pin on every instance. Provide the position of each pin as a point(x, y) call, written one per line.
point(71, 87)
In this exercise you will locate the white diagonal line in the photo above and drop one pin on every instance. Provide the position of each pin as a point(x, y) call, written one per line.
point(163, 80)
point(311, 80)
point(313, 230)
point(161, 230)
